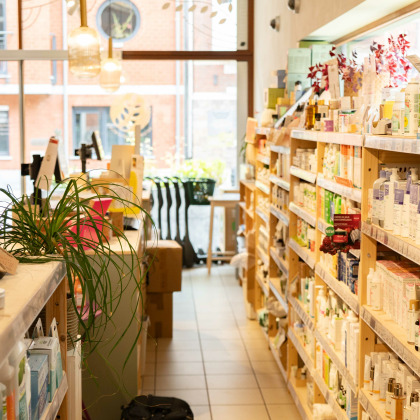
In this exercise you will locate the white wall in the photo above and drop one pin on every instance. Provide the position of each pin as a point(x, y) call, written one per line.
point(271, 46)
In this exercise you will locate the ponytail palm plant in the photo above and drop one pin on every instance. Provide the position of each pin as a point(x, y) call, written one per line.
point(74, 231)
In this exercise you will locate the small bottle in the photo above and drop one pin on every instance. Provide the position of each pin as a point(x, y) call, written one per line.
point(398, 115)
point(389, 394)
point(376, 292)
point(397, 403)
point(372, 378)
point(413, 316)
point(416, 335)
point(310, 115)
point(317, 122)
point(414, 397)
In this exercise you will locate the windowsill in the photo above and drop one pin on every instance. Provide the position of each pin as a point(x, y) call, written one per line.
point(6, 157)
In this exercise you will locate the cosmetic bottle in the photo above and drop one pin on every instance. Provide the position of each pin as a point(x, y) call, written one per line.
point(389, 394)
point(414, 201)
point(389, 188)
point(412, 108)
point(415, 410)
point(321, 303)
point(397, 402)
point(371, 378)
point(416, 335)
point(376, 292)
point(317, 125)
point(310, 115)
point(398, 114)
point(412, 178)
point(366, 372)
point(414, 397)
point(398, 206)
point(7, 378)
point(378, 198)
point(413, 316)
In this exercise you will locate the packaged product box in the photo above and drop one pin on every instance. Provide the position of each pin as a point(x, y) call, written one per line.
point(165, 273)
point(320, 53)
point(50, 347)
point(271, 95)
point(159, 308)
point(39, 384)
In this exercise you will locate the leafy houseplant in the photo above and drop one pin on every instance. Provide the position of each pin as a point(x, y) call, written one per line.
point(38, 234)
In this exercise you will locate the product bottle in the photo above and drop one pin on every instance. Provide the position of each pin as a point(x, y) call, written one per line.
point(351, 319)
point(389, 394)
point(369, 281)
point(321, 303)
point(414, 397)
point(418, 225)
point(415, 410)
point(389, 199)
point(413, 316)
point(398, 206)
point(412, 107)
point(414, 202)
point(397, 403)
point(310, 115)
point(405, 226)
point(317, 125)
point(398, 114)
point(378, 198)
point(7, 378)
point(416, 335)
point(376, 292)
point(18, 360)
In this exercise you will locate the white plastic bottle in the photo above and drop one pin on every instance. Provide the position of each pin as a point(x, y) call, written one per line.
point(412, 107)
point(8, 379)
point(321, 303)
point(414, 202)
point(18, 360)
point(378, 198)
point(398, 114)
point(369, 282)
point(376, 292)
point(398, 206)
point(389, 199)
point(405, 225)
point(351, 319)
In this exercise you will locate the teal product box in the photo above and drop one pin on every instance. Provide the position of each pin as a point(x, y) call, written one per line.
point(320, 53)
point(299, 60)
point(39, 384)
point(292, 78)
point(49, 346)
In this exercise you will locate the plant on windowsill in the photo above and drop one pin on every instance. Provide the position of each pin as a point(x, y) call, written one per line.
point(76, 232)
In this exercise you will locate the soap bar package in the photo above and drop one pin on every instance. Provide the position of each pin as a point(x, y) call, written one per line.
point(50, 347)
point(39, 384)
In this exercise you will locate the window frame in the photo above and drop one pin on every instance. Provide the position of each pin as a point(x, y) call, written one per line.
point(5, 109)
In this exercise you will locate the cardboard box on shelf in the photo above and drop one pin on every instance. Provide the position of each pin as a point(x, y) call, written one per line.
point(165, 273)
point(159, 309)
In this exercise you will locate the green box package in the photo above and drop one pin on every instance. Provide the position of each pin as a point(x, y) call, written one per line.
point(39, 384)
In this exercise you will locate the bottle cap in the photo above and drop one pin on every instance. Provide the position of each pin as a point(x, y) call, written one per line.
point(391, 383)
point(414, 305)
point(318, 116)
point(398, 390)
point(372, 373)
point(414, 397)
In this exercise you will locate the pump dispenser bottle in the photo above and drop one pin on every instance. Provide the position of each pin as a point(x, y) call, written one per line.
point(389, 394)
point(389, 199)
point(414, 398)
point(397, 403)
point(378, 199)
point(405, 226)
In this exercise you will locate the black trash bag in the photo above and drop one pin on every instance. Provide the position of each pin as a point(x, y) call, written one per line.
point(157, 408)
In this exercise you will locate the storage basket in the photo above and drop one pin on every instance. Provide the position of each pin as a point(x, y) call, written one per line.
point(199, 190)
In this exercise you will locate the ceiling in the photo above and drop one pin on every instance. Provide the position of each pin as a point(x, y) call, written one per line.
point(358, 17)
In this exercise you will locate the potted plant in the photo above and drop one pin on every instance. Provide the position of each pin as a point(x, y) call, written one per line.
point(76, 232)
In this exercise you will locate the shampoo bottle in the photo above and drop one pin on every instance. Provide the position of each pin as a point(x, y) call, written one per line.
point(389, 199)
point(405, 226)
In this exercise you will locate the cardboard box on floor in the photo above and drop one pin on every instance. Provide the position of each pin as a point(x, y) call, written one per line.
point(159, 308)
point(165, 273)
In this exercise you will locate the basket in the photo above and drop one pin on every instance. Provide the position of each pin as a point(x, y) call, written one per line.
point(199, 190)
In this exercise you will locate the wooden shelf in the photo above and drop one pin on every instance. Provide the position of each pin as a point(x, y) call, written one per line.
point(279, 215)
point(279, 261)
point(349, 139)
point(303, 315)
point(404, 246)
point(280, 149)
point(27, 292)
point(336, 359)
point(371, 406)
point(263, 159)
point(303, 214)
point(302, 174)
point(274, 285)
point(265, 218)
point(301, 350)
point(277, 359)
point(280, 182)
point(262, 187)
point(392, 335)
point(264, 286)
point(53, 407)
point(322, 225)
point(354, 194)
point(339, 288)
point(299, 395)
point(263, 256)
point(303, 253)
point(393, 144)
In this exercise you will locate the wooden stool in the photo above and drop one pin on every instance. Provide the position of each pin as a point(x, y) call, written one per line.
point(227, 201)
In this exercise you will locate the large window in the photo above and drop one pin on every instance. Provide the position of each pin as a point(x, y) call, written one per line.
point(3, 35)
point(4, 131)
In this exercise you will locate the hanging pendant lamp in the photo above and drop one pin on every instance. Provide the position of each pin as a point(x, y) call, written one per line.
point(110, 78)
point(83, 44)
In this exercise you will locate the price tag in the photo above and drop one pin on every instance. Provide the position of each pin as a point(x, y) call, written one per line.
point(382, 143)
point(398, 146)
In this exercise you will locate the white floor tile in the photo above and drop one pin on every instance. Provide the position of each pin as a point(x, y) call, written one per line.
point(265, 368)
point(179, 356)
point(235, 397)
point(170, 344)
point(150, 369)
point(277, 396)
point(190, 368)
point(201, 412)
point(220, 334)
point(231, 381)
point(271, 381)
point(284, 411)
point(224, 355)
point(218, 344)
point(240, 412)
point(225, 368)
point(180, 382)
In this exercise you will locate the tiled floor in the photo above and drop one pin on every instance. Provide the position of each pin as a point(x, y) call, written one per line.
point(218, 360)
